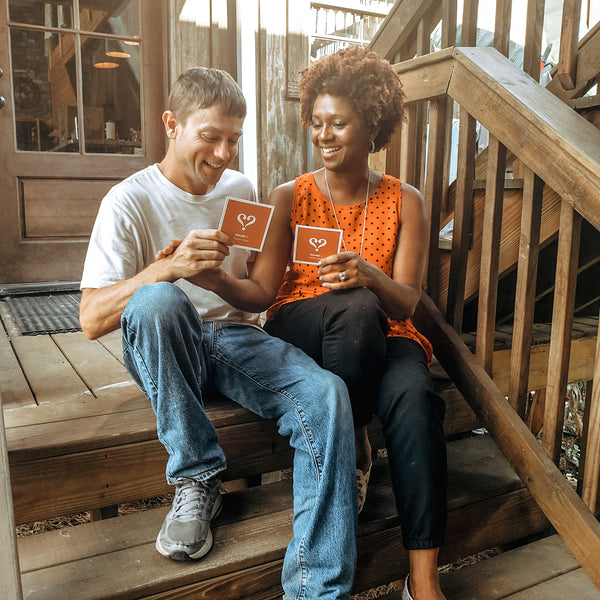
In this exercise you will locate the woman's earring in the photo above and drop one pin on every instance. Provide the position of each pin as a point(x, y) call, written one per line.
point(372, 147)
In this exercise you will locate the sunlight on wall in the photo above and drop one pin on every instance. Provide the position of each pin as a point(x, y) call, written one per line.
point(196, 11)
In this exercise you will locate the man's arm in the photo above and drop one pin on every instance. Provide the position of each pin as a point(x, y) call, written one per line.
point(201, 251)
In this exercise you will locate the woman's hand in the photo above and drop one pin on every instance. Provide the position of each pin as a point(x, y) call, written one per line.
point(347, 270)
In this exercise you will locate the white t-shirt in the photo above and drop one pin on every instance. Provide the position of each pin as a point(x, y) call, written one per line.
point(142, 214)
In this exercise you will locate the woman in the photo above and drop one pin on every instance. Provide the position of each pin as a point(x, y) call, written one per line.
point(351, 312)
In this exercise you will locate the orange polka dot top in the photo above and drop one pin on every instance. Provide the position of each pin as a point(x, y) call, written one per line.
point(311, 207)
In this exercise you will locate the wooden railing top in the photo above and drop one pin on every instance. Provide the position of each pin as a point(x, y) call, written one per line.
point(552, 139)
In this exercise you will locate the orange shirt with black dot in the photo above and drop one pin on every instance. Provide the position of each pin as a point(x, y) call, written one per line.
point(311, 207)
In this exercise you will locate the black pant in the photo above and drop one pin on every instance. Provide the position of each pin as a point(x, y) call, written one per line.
point(345, 332)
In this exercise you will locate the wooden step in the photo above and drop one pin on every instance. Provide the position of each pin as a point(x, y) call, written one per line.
point(116, 559)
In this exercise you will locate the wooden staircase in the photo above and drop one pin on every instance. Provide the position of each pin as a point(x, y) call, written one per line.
point(70, 450)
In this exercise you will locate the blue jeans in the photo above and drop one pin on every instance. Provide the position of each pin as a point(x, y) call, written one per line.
point(180, 361)
point(344, 332)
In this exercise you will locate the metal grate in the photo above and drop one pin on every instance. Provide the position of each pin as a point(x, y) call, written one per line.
point(43, 314)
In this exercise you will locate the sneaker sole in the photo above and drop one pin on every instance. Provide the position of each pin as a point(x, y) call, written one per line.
point(182, 555)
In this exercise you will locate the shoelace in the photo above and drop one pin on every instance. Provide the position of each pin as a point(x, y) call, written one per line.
point(190, 499)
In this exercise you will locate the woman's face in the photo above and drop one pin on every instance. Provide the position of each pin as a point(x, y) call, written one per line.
point(338, 133)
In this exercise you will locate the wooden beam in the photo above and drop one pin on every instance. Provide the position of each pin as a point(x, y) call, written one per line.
point(525, 294)
point(588, 67)
point(9, 557)
point(401, 21)
point(490, 253)
point(562, 325)
point(569, 40)
point(576, 525)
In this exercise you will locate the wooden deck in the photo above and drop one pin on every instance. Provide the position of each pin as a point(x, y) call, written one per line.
point(70, 404)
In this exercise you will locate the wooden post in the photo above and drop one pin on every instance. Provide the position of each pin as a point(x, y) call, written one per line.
point(591, 474)
point(562, 325)
point(569, 40)
point(532, 53)
point(490, 253)
point(502, 26)
point(463, 220)
point(468, 36)
point(525, 294)
point(9, 557)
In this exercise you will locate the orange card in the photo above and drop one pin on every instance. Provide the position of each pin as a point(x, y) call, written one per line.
point(246, 222)
point(311, 244)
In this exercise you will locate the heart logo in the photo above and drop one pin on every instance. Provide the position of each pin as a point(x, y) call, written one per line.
point(317, 244)
point(246, 220)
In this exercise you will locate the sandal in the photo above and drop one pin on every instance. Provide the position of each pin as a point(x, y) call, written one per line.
point(362, 482)
point(406, 592)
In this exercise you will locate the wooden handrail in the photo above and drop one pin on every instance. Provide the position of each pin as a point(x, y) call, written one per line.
point(576, 525)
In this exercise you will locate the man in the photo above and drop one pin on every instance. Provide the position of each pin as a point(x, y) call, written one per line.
point(183, 341)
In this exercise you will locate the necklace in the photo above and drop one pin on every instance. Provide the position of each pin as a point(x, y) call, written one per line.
point(362, 237)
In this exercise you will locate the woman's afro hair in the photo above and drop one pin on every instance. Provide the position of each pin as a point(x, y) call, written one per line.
point(365, 80)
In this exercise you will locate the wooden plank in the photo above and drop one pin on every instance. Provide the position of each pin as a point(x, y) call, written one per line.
point(431, 77)
point(48, 372)
point(113, 343)
point(591, 474)
point(581, 365)
point(515, 109)
point(569, 40)
point(463, 219)
point(577, 526)
point(490, 254)
point(570, 585)
point(534, 31)
point(13, 385)
point(101, 372)
point(525, 294)
point(562, 325)
point(511, 571)
point(502, 26)
point(9, 561)
point(58, 485)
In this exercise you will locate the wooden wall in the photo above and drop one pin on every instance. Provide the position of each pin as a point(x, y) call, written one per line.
point(204, 33)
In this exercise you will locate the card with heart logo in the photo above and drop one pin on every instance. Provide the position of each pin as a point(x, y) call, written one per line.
point(311, 244)
point(246, 222)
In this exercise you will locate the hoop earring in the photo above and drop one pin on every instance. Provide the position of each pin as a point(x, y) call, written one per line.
point(372, 147)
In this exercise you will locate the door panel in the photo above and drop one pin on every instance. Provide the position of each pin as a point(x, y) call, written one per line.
point(84, 87)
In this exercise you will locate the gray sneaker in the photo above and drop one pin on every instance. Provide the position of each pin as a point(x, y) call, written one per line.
point(185, 533)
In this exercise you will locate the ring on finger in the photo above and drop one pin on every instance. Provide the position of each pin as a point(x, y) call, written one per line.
point(343, 276)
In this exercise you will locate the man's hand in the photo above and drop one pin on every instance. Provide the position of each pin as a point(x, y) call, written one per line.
point(201, 250)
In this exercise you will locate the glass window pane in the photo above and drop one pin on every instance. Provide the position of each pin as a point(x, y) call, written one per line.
point(120, 17)
point(45, 92)
point(42, 12)
point(111, 96)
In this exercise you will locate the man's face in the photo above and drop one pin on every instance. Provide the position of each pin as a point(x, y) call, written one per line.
point(203, 148)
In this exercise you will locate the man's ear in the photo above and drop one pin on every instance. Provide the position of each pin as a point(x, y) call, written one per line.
point(170, 122)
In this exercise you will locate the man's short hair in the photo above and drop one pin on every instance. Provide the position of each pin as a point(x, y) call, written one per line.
point(202, 87)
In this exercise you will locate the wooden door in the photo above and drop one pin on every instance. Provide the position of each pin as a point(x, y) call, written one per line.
point(82, 92)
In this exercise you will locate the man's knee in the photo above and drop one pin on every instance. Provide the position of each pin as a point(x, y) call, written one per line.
point(155, 301)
